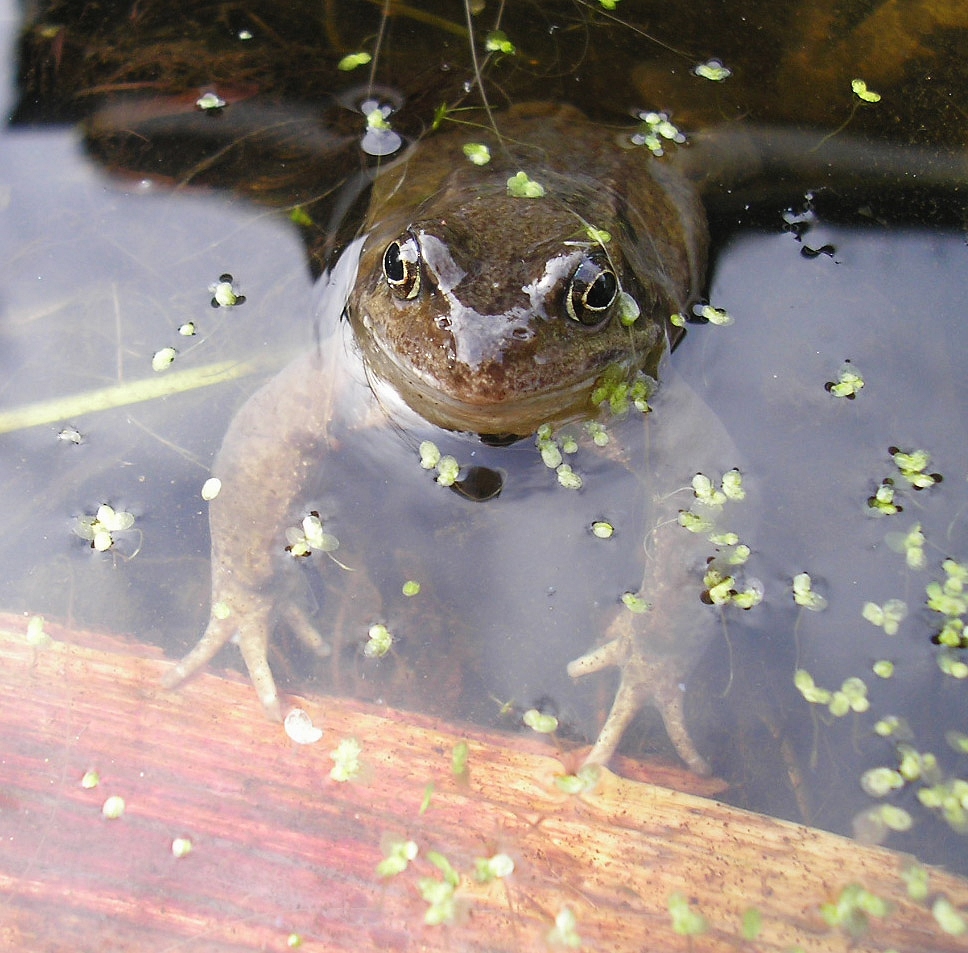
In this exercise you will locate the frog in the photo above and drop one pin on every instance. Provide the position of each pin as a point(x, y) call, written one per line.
point(475, 310)
point(472, 306)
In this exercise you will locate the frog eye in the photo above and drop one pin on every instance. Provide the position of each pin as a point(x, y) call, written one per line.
point(591, 292)
point(401, 267)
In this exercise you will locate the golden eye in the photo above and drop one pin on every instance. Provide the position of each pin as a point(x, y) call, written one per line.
point(592, 291)
point(401, 267)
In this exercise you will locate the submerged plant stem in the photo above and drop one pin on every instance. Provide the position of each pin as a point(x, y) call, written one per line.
point(120, 395)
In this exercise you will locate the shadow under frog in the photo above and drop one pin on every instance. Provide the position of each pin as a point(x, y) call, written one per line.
point(475, 311)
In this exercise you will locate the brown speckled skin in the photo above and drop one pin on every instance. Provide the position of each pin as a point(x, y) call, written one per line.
point(491, 381)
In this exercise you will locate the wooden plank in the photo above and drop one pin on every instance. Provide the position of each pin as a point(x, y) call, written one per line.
point(280, 848)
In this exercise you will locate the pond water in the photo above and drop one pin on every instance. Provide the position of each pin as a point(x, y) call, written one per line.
point(99, 272)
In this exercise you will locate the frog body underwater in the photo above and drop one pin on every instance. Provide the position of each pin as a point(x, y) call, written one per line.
point(478, 309)
point(484, 312)
point(482, 307)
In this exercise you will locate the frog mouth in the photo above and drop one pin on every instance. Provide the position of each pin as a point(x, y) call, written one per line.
point(496, 408)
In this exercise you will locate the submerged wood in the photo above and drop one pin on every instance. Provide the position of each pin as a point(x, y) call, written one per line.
point(280, 849)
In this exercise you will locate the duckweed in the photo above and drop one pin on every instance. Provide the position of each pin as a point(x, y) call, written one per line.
point(113, 807)
point(706, 492)
point(520, 186)
point(950, 799)
point(497, 42)
point(163, 359)
point(429, 455)
point(497, 867)
point(379, 641)
point(597, 432)
point(717, 316)
point(685, 920)
point(181, 847)
point(397, 857)
point(752, 923)
point(299, 216)
point(542, 723)
point(627, 309)
point(888, 616)
point(882, 503)
point(713, 70)
point(635, 603)
point(878, 782)
point(101, 527)
point(848, 384)
point(447, 467)
point(448, 470)
point(852, 909)
point(210, 102)
point(353, 61)
point(891, 725)
point(851, 696)
point(310, 537)
point(477, 153)
point(656, 132)
point(568, 478)
point(614, 389)
point(912, 467)
point(346, 758)
point(379, 138)
point(694, 522)
point(376, 119)
point(803, 594)
point(36, 636)
point(211, 488)
point(910, 545)
point(958, 740)
point(458, 759)
point(948, 599)
point(916, 877)
point(439, 896)
point(584, 780)
point(550, 454)
point(859, 89)
point(948, 917)
point(565, 931)
point(951, 664)
point(224, 294)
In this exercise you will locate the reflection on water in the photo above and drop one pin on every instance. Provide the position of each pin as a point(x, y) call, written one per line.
point(98, 274)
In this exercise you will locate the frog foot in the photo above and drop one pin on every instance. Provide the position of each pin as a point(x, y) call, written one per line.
point(250, 630)
point(645, 681)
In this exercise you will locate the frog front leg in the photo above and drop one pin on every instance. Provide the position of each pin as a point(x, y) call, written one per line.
point(645, 680)
point(272, 447)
